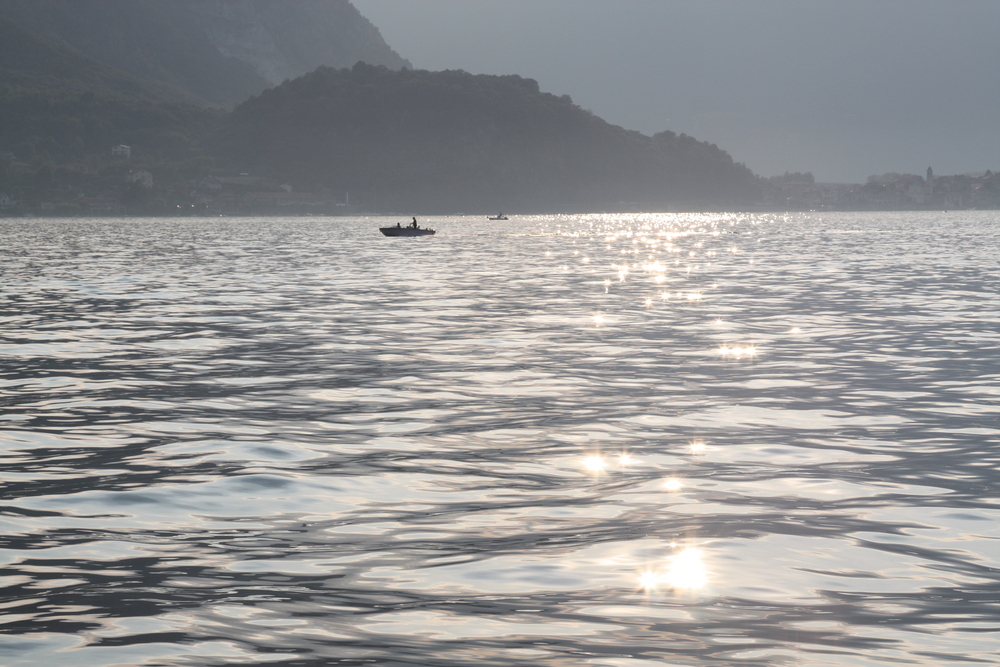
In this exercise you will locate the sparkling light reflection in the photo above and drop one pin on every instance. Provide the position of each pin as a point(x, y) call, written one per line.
point(648, 580)
point(736, 351)
point(620, 245)
point(687, 570)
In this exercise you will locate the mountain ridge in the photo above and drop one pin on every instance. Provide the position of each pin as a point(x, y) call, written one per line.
point(215, 51)
point(452, 140)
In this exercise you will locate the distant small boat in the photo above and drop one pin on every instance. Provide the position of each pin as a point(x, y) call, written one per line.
point(406, 231)
point(496, 217)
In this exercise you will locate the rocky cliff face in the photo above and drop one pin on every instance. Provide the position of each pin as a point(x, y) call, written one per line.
point(283, 40)
point(218, 51)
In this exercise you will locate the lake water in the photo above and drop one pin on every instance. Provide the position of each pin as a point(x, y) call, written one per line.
point(604, 440)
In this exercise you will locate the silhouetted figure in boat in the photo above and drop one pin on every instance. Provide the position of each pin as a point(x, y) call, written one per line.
point(414, 225)
point(399, 226)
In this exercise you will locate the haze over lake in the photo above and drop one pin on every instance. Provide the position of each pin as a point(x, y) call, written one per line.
point(607, 440)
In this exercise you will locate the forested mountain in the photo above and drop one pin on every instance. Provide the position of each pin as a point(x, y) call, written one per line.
point(450, 141)
point(78, 77)
point(57, 105)
point(30, 63)
point(215, 51)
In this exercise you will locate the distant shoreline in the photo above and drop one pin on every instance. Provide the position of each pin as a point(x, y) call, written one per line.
point(483, 216)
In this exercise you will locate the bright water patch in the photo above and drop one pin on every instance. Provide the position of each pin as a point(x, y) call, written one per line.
point(607, 440)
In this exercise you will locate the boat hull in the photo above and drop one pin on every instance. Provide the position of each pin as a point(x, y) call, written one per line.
point(405, 231)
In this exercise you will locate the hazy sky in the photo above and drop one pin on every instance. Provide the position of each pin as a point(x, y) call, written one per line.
point(842, 88)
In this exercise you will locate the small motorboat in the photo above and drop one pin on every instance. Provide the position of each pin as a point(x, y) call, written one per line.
point(496, 217)
point(406, 231)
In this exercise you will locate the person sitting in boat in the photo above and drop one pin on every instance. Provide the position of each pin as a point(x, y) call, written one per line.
point(399, 226)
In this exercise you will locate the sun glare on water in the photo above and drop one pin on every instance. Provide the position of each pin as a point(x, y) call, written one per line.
point(687, 284)
point(672, 484)
point(738, 352)
point(648, 580)
point(687, 570)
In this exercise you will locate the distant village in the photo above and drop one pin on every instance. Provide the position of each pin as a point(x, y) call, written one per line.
point(888, 192)
point(66, 191)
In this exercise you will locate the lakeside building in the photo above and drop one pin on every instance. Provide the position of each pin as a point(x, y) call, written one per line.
point(142, 177)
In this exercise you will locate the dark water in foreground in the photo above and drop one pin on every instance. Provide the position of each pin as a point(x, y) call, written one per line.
point(296, 442)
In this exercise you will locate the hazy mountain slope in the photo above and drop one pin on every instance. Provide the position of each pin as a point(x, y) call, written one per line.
point(220, 51)
point(286, 39)
point(453, 141)
point(32, 63)
point(57, 104)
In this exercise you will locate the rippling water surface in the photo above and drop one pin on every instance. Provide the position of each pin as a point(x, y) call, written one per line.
point(615, 441)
